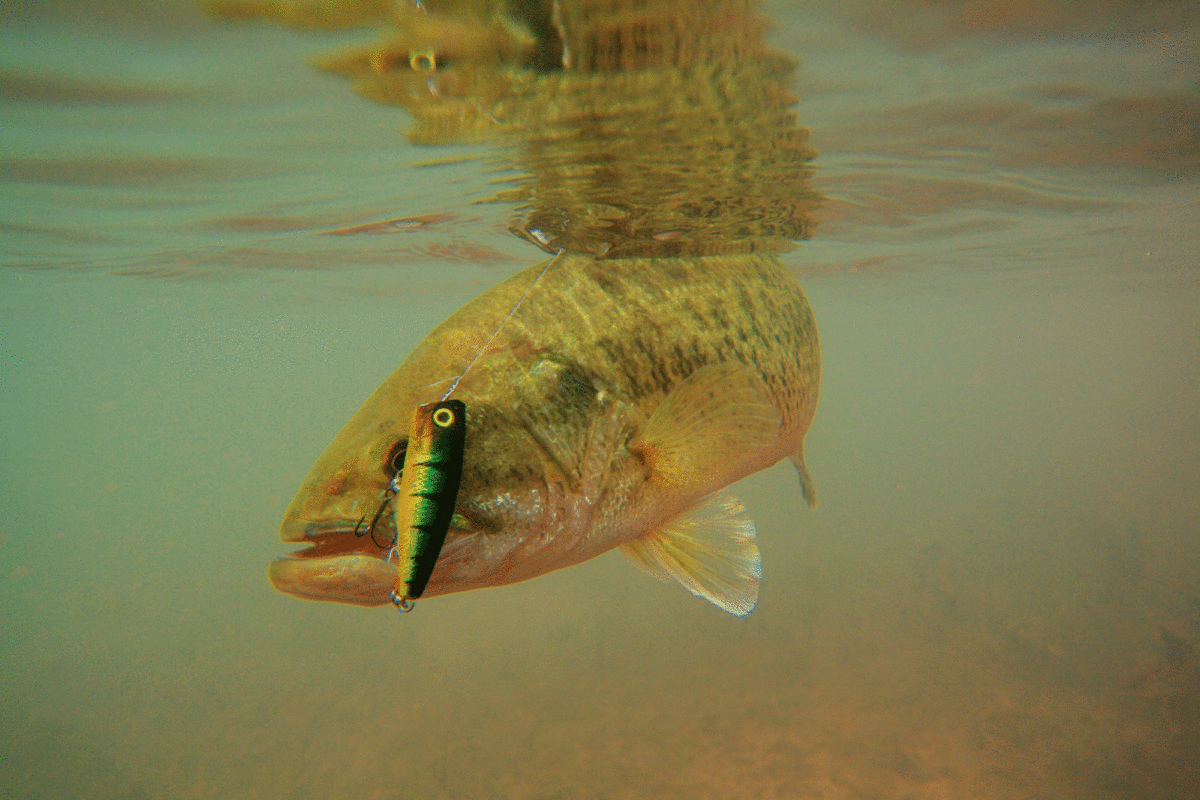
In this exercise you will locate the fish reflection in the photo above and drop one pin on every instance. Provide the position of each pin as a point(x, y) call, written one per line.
point(613, 392)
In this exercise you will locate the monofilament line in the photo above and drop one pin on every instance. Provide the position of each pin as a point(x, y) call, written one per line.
point(496, 333)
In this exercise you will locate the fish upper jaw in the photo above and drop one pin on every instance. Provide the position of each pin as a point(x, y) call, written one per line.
point(329, 502)
point(303, 529)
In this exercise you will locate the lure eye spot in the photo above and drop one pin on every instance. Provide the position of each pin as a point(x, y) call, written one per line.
point(443, 418)
point(423, 62)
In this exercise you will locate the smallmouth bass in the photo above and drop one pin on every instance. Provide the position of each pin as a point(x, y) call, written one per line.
point(609, 402)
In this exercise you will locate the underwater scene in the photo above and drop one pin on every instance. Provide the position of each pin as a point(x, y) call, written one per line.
point(344, 344)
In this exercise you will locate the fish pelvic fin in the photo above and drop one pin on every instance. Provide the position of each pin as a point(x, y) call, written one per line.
point(710, 549)
point(718, 417)
point(807, 487)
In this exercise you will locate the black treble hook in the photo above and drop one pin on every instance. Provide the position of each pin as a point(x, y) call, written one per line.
point(388, 494)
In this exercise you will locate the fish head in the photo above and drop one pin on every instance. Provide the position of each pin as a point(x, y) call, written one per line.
point(542, 444)
point(341, 514)
point(533, 446)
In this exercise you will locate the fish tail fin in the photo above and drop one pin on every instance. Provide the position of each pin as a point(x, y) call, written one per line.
point(807, 487)
point(710, 549)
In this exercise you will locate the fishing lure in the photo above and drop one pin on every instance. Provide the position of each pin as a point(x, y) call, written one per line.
point(428, 488)
point(424, 491)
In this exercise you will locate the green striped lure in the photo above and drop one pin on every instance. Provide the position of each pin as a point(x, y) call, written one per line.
point(428, 488)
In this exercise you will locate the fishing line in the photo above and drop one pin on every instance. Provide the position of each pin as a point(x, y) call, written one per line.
point(504, 321)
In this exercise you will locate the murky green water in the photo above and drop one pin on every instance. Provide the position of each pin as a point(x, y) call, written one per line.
point(998, 595)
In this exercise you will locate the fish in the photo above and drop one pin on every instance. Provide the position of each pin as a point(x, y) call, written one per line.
point(610, 403)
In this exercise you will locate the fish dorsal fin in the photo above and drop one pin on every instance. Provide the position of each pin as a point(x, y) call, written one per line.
point(719, 416)
point(710, 549)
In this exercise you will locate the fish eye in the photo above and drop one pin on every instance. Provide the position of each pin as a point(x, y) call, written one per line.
point(395, 459)
point(443, 418)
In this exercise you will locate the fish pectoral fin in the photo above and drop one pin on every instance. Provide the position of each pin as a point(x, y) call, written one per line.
point(807, 487)
point(718, 417)
point(710, 549)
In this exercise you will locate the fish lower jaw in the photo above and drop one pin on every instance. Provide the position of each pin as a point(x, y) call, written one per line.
point(353, 578)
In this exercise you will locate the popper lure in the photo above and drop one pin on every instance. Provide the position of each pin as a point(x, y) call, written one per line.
point(428, 488)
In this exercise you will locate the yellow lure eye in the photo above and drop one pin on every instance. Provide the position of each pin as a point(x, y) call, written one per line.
point(423, 62)
point(443, 418)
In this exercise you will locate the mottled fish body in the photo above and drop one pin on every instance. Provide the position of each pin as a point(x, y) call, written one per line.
point(608, 402)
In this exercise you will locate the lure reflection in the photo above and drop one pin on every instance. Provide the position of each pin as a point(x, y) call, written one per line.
point(611, 394)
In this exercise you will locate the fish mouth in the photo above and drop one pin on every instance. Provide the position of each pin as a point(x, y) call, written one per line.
point(343, 561)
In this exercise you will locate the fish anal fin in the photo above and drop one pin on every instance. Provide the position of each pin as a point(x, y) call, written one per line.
point(710, 549)
point(717, 418)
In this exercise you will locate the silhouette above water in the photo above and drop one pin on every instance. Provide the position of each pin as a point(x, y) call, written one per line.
point(643, 129)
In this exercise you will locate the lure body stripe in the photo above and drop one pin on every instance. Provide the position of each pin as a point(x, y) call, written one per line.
point(424, 503)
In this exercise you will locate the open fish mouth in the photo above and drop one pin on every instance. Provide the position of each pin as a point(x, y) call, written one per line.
point(344, 562)
point(330, 537)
